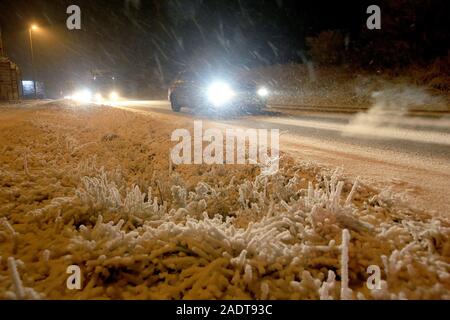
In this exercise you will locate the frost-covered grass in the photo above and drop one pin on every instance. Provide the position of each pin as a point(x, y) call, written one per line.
point(92, 187)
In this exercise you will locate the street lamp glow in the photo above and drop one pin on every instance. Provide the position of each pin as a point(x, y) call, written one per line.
point(34, 27)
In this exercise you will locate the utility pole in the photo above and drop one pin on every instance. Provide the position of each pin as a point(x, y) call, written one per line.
point(1, 44)
point(33, 27)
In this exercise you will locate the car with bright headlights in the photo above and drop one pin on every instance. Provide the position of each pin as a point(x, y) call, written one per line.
point(102, 89)
point(216, 94)
point(104, 86)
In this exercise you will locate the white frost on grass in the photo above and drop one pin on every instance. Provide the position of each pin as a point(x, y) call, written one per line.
point(285, 237)
point(19, 290)
point(346, 292)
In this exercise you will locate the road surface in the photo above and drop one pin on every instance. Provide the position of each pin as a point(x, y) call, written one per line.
point(409, 154)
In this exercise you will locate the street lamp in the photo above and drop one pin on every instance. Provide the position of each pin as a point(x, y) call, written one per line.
point(30, 30)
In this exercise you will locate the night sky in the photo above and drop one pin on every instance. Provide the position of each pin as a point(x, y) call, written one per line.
point(150, 41)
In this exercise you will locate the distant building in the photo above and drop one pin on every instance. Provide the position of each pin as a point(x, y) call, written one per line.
point(10, 77)
point(28, 89)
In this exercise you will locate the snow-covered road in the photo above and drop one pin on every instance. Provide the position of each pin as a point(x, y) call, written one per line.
point(410, 153)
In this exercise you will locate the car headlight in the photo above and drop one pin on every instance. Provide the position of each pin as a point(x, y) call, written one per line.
point(82, 96)
point(220, 93)
point(113, 96)
point(98, 97)
point(263, 92)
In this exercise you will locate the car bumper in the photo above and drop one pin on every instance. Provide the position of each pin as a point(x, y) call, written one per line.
point(243, 101)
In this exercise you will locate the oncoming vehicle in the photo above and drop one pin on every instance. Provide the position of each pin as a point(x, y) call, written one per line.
point(102, 88)
point(217, 95)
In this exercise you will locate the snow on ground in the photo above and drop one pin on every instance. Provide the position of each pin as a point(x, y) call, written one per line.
point(93, 186)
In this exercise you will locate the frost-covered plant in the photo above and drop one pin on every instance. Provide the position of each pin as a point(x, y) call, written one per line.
point(19, 291)
point(100, 193)
point(291, 231)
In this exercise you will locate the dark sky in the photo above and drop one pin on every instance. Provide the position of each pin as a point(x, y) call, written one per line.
point(149, 41)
